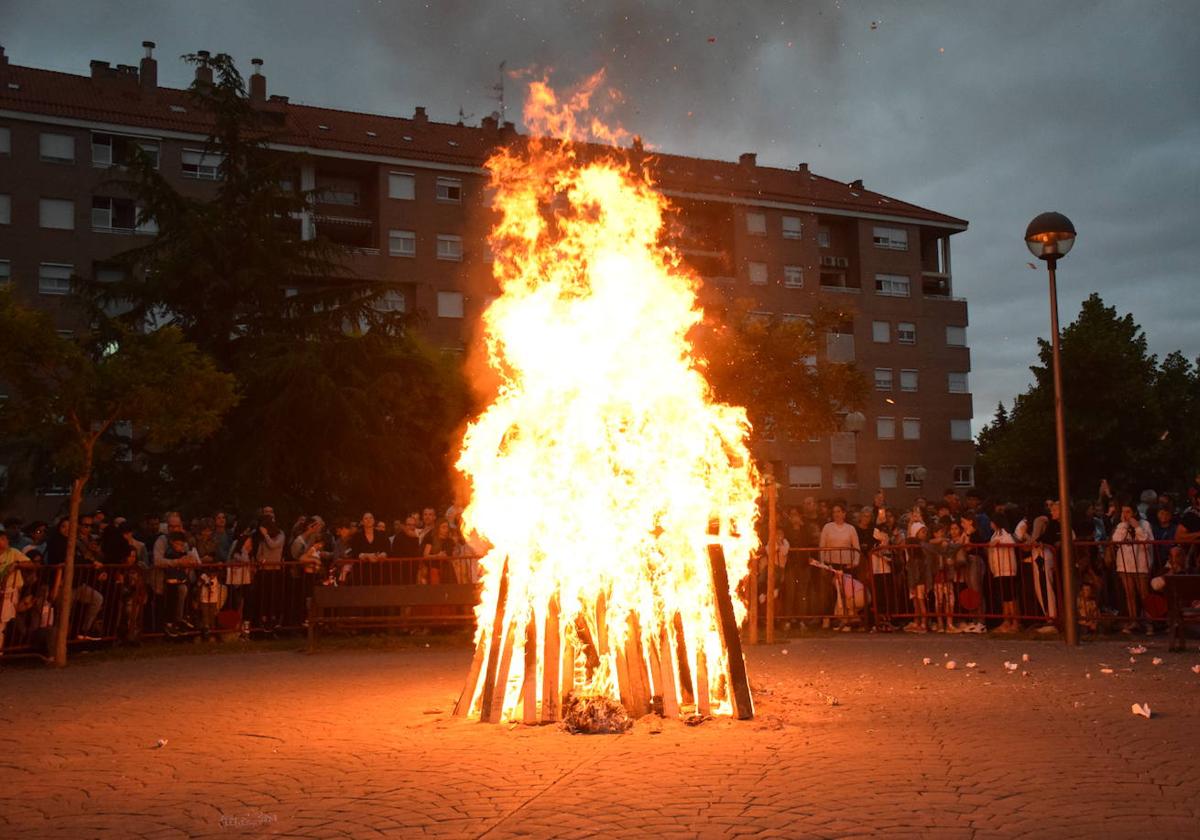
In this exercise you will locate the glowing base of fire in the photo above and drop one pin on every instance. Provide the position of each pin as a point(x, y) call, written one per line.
point(652, 669)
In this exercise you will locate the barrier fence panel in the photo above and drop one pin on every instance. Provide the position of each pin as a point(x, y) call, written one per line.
point(128, 603)
point(976, 587)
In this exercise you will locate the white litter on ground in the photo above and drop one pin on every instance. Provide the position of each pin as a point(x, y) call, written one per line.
point(1143, 710)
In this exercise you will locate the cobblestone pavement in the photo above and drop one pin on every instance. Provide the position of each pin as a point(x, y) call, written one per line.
point(361, 744)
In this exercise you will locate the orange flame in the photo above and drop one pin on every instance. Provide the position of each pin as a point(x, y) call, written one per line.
point(604, 461)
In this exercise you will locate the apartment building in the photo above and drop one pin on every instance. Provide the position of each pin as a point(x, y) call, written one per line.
point(408, 196)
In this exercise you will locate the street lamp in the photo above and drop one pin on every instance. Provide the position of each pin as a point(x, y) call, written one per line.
point(1050, 237)
point(855, 422)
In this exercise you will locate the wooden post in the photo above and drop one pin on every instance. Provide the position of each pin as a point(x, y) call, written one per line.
point(589, 645)
point(669, 695)
point(495, 639)
point(703, 704)
point(635, 661)
point(772, 547)
point(550, 666)
point(624, 688)
point(601, 624)
point(492, 713)
point(738, 681)
point(529, 683)
point(463, 706)
point(568, 668)
point(686, 694)
point(752, 591)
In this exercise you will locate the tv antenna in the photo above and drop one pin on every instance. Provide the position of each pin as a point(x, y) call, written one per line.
point(498, 92)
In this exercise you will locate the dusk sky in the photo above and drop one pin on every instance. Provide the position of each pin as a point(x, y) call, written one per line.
point(990, 111)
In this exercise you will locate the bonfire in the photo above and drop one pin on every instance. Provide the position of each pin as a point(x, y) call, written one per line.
point(614, 497)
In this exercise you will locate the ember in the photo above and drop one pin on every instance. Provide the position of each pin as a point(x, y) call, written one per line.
point(614, 497)
point(594, 715)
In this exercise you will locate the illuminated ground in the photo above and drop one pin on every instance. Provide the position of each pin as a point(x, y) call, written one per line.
point(359, 743)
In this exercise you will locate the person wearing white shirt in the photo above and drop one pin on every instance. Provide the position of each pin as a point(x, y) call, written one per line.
point(1002, 563)
point(840, 549)
point(1133, 564)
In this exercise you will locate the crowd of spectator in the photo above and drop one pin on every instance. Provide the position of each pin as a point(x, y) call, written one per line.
point(957, 564)
point(966, 564)
point(212, 575)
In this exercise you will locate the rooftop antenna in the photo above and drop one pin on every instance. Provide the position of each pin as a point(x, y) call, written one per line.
point(498, 91)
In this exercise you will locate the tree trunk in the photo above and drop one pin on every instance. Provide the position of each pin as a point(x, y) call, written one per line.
point(68, 571)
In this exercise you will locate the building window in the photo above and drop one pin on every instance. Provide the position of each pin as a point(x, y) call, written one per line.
point(906, 333)
point(964, 476)
point(839, 346)
point(823, 237)
point(793, 277)
point(449, 189)
point(402, 243)
point(758, 273)
point(885, 428)
point(893, 239)
point(5, 272)
point(892, 285)
point(391, 301)
point(881, 332)
point(956, 336)
point(201, 165)
point(57, 148)
point(756, 224)
point(5, 141)
point(450, 304)
point(55, 278)
point(118, 150)
point(960, 430)
point(119, 215)
point(5, 209)
point(792, 228)
point(804, 476)
point(888, 476)
point(908, 380)
point(343, 193)
point(883, 379)
point(108, 274)
point(449, 247)
point(56, 214)
point(957, 382)
point(911, 478)
point(401, 185)
point(911, 427)
point(845, 476)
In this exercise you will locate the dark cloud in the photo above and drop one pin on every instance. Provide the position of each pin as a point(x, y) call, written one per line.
point(989, 111)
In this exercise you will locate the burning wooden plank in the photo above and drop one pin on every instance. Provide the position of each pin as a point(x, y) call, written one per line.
point(550, 664)
point(737, 680)
point(491, 641)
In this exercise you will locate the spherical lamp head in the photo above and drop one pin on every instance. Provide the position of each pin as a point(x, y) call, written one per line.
point(1050, 236)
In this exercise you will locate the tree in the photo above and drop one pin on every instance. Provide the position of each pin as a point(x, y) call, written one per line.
point(1127, 417)
point(341, 405)
point(71, 398)
point(775, 368)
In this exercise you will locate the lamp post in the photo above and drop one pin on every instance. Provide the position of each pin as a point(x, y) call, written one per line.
point(1049, 237)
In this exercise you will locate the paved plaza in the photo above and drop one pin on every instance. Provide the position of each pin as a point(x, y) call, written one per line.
point(854, 737)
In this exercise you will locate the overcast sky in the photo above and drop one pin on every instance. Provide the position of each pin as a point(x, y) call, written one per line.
point(990, 111)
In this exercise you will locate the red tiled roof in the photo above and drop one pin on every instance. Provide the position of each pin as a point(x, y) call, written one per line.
point(121, 102)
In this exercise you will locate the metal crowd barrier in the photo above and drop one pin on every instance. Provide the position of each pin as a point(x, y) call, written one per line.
point(128, 603)
point(977, 586)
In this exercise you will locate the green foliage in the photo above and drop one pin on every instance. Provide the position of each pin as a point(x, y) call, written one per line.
point(342, 408)
point(68, 398)
point(763, 364)
point(1128, 419)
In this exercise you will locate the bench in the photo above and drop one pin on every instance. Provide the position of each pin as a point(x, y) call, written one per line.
point(391, 605)
point(1182, 592)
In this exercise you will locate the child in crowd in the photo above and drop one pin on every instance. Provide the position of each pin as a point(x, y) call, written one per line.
point(920, 577)
point(1002, 562)
point(1089, 610)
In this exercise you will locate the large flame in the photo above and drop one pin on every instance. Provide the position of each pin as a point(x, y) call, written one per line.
point(604, 468)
